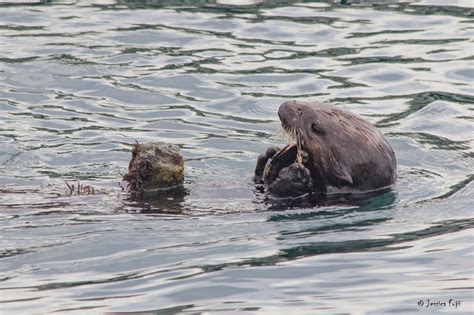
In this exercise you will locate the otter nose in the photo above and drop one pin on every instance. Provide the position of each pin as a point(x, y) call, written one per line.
point(288, 112)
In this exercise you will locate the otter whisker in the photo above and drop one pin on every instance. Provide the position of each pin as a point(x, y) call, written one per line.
point(300, 135)
point(289, 134)
point(298, 145)
point(295, 134)
point(283, 134)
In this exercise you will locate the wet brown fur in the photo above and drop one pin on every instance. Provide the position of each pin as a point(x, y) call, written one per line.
point(343, 149)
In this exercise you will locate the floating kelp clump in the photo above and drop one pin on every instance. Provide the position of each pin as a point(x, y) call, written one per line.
point(154, 166)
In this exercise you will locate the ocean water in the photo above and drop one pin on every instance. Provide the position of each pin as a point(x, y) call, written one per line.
point(81, 82)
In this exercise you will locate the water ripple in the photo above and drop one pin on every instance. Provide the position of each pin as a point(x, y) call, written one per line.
point(80, 83)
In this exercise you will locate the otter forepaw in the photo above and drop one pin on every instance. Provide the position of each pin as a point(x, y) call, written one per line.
point(292, 181)
point(262, 162)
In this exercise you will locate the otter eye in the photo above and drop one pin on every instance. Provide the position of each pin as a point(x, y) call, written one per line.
point(317, 129)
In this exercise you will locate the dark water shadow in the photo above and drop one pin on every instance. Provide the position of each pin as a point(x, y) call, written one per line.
point(162, 201)
point(163, 311)
point(172, 202)
point(333, 206)
point(359, 200)
point(393, 242)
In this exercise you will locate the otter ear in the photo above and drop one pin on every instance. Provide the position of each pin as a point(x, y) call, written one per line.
point(342, 176)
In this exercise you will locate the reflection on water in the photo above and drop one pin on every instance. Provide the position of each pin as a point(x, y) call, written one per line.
point(80, 83)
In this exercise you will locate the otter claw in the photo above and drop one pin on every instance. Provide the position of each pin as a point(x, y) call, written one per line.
point(262, 162)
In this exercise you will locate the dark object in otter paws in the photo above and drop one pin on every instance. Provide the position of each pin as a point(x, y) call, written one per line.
point(283, 173)
point(342, 153)
point(154, 166)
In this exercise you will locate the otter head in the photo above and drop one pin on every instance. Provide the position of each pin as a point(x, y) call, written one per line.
point(331, 137)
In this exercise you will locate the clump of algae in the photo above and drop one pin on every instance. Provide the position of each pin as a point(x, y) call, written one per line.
point(154, 166)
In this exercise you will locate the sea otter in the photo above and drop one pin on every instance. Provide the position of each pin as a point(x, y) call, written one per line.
point(335, 152)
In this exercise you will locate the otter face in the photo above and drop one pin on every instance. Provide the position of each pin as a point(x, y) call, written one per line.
point(308, 125)
point(305, 122)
